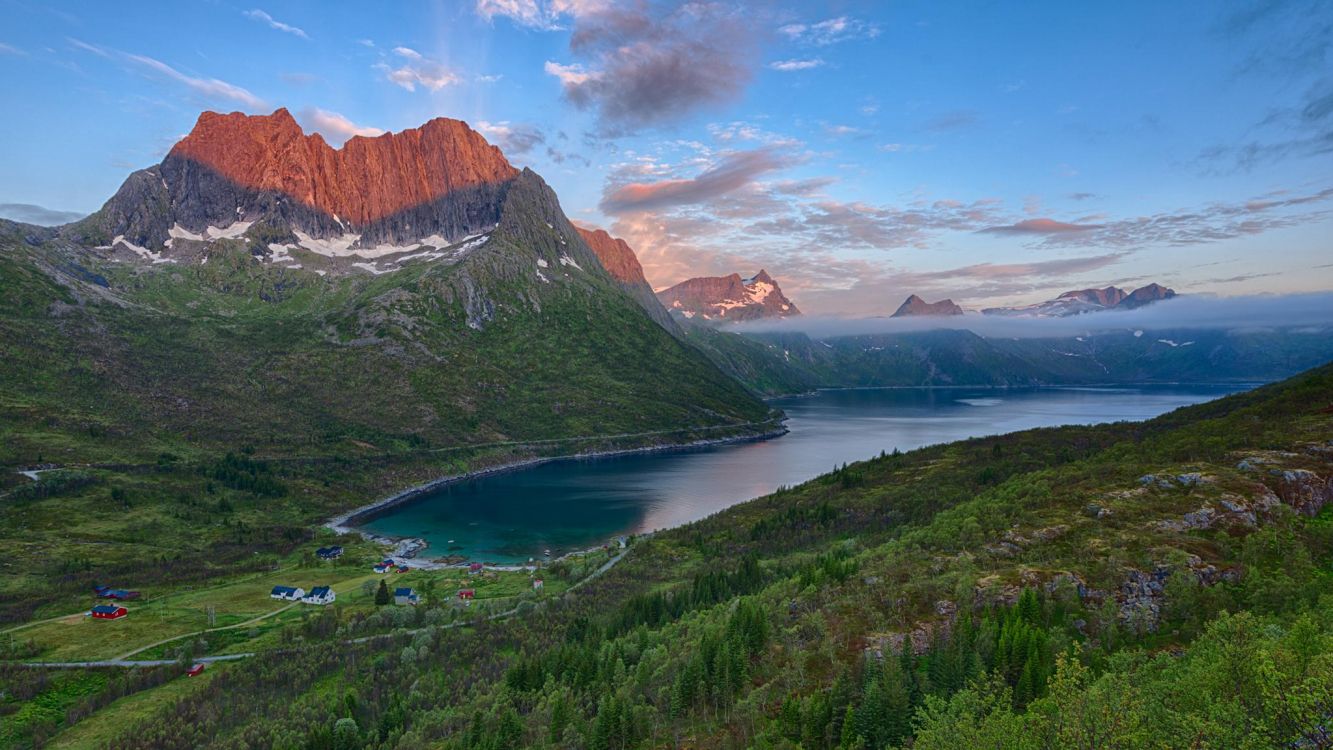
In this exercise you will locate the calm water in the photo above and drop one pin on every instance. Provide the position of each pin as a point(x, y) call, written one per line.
point(568, 505)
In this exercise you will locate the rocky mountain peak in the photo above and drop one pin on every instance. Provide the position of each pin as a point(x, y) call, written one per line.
point(915, 305)
point(729, 298)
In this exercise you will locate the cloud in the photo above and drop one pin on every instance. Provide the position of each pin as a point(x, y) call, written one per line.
point(956, 120)
point(904, 148)
point(1313, 312)
point(844, 131)
point(732, 172)
point(419, 70)
point(1041, 226)
point(513, 139)
point(262, 17)
point(86, 47)
point(39, 215)
point(545, 15)
point(335, 127)
point(211, 88)
point(9, 49)
point(649, 65)
point(832, 31)
point(788, 66)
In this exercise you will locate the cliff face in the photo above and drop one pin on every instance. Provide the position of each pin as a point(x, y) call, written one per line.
point(619, 260)
point(1146, 295)
point(366, 180)
point(441, 179)
point(729, 298)
point(616, 255)
point(914, 305)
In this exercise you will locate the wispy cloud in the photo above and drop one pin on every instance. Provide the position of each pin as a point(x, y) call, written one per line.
point(211, 88)
point(832, 31)
point(419, 70)
point(334, 126)
point(9, 49)
point(513, 138)
point(1041, 226)
point(730, 173)
point(790, 66)
point(262, 17)
point(545, 15)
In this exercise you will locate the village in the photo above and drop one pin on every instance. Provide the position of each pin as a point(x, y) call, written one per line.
point(257, 612)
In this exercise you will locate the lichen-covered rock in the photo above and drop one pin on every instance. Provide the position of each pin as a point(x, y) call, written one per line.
point(1304, 490)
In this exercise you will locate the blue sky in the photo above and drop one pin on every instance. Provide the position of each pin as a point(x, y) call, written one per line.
point(992, 152)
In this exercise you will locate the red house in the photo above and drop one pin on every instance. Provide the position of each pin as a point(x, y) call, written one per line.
point(475, 568)
point(197, 669)
point(108, 612)
point(466, 594)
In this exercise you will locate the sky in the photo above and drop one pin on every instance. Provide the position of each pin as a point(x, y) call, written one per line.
point(991, 152)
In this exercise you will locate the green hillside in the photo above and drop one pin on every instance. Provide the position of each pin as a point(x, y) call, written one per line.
point(790, 362)
point(1158, 584)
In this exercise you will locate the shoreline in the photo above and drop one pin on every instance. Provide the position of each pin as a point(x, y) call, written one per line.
point(348, 522)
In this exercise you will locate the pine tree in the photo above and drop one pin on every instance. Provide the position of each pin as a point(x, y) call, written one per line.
point(382, 594)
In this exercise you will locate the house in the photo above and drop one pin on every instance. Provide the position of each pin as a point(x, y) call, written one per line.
point(537, 583)
point(403, 568)
point(320, 595)
point(475, 568)
point(196, 670)
point(108, 612)
point(287, 593)
point(404, 595)
point(382, 568)
point(466, 594)
point(329, 553)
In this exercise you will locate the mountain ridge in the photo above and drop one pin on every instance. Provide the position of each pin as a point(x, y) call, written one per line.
point(730, 298)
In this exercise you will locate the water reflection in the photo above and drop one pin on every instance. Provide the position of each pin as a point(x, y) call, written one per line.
point(573, 504)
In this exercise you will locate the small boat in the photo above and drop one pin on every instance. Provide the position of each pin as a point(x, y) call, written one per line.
point(548, 553)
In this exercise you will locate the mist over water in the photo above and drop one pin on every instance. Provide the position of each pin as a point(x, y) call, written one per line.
point(574, 504)
point(1194, 312)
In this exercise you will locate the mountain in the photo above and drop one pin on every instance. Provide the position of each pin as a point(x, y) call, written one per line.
point(1087, 300)
point(1146, 295)
point(1108, 297)
point(619, 260)
point(914, 305)
point(729, 298)
point(258, 288)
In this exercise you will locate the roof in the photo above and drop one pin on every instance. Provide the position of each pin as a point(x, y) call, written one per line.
point(403, 592)
point(107, 609)
point(319, 591)
point(283, 589)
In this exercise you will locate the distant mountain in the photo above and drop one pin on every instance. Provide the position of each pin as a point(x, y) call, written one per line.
point(1087, 300)
point(619, 260)
point(1146, 295)
point(258, 287)
point(729, 298)
point(914, 305)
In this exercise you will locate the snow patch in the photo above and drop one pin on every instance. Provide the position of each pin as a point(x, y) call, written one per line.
point(541, 263)
point(372, 268)
point(1137, 334)
point(565, 260)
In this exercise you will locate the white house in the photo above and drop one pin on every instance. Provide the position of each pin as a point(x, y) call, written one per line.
point(287, 593)
point(320, 595)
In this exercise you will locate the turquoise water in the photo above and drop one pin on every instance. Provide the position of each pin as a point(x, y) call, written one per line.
point(573, 504)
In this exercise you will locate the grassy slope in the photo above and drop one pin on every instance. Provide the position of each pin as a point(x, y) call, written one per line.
point(851, 560)
point(339, 390)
